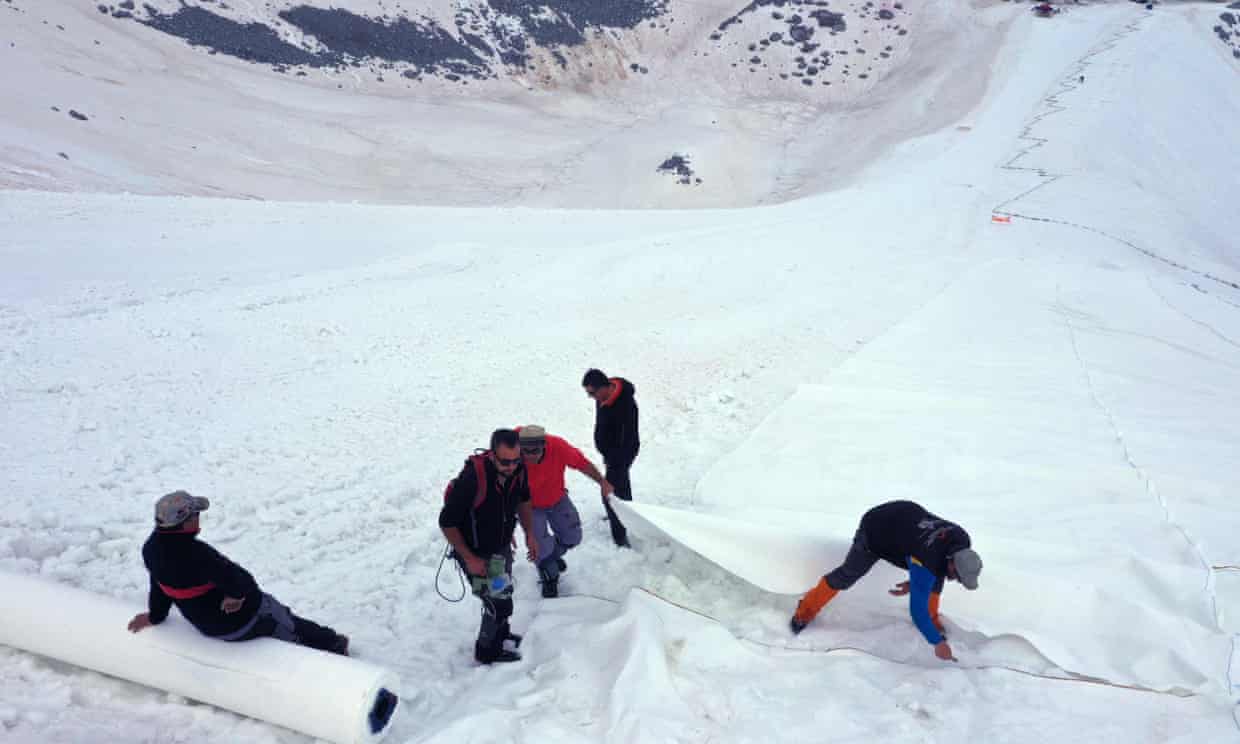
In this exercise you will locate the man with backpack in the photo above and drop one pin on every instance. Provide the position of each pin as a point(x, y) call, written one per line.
point(218, 597)
point(616, 437)
point(905, 535)
point(479, 515)
point(557, 525)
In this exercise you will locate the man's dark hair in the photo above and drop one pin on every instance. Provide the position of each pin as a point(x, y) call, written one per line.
point(594, 378)
point(506, 437)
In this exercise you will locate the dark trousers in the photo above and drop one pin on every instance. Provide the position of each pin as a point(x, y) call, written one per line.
point(558, 529)
point(275, 620)
point(856, 564)
point(496, 611)
point(618, 476)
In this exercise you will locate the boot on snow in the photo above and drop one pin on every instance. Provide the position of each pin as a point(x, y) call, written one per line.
point(550, 584)
point(492, 655)
point(341, 645)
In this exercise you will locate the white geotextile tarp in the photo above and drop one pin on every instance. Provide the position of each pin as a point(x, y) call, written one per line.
point(1005, 421)
point(1126, 629)
point(324, 695)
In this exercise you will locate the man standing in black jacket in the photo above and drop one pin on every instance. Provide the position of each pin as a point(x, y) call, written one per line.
point(218, 597)
point(616, 437)
point(479, 515)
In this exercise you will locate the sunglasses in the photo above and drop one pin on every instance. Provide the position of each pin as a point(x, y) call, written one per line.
point(532, 449)
point(508, 461)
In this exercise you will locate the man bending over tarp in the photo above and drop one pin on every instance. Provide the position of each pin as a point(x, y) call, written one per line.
point(905, 535)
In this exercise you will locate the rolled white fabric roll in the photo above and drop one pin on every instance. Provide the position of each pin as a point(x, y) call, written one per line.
point(317, 693)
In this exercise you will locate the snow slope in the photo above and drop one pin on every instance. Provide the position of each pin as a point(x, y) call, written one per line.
point(1058, 383)
point(163, 117)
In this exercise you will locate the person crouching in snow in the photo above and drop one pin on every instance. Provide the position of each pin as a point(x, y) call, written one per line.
point(557, 526)
point(479, 515)
point(905, 535)
point(218, 597)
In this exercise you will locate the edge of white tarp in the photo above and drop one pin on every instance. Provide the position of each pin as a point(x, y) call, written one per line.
point(1088, 628)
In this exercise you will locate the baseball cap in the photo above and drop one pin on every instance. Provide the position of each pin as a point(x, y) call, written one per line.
point(176, 507)
point(968, 567)
point(532, 434)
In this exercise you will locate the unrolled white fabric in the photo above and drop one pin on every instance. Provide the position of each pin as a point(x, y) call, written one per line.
point(317, 693)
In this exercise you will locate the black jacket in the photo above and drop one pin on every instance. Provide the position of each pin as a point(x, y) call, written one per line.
point(899, 529)
point(487, 529)
point(615, 425)
point(181, 565)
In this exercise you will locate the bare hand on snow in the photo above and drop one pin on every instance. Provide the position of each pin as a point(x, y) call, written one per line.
point(943, 650)
point(140, 621)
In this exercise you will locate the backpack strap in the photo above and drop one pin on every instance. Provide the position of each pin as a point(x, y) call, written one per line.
point(480, 470)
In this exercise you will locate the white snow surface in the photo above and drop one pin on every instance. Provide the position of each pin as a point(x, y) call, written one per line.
point(1063, 385)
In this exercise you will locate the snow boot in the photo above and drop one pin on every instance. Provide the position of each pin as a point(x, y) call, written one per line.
point(811, 604)
point(493, 655)
point(550, 584)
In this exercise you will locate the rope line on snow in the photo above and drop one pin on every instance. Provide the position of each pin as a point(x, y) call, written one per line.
point(1052, 103)
point(1150, 487)
point(1211, 329)
point(1052, 106)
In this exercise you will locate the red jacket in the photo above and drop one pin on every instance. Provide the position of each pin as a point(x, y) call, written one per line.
point(546, 478)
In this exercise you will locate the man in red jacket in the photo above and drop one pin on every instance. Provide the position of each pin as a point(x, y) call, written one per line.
point(557, 526)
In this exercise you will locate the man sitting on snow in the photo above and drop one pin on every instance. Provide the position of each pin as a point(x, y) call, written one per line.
point(218, 597)
point(905, 535)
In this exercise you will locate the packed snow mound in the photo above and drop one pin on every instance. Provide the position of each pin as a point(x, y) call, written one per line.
point(316, 100)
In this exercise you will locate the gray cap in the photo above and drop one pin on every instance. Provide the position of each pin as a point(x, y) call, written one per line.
point(968, 567)
point(176, 507)
point(532, 433)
